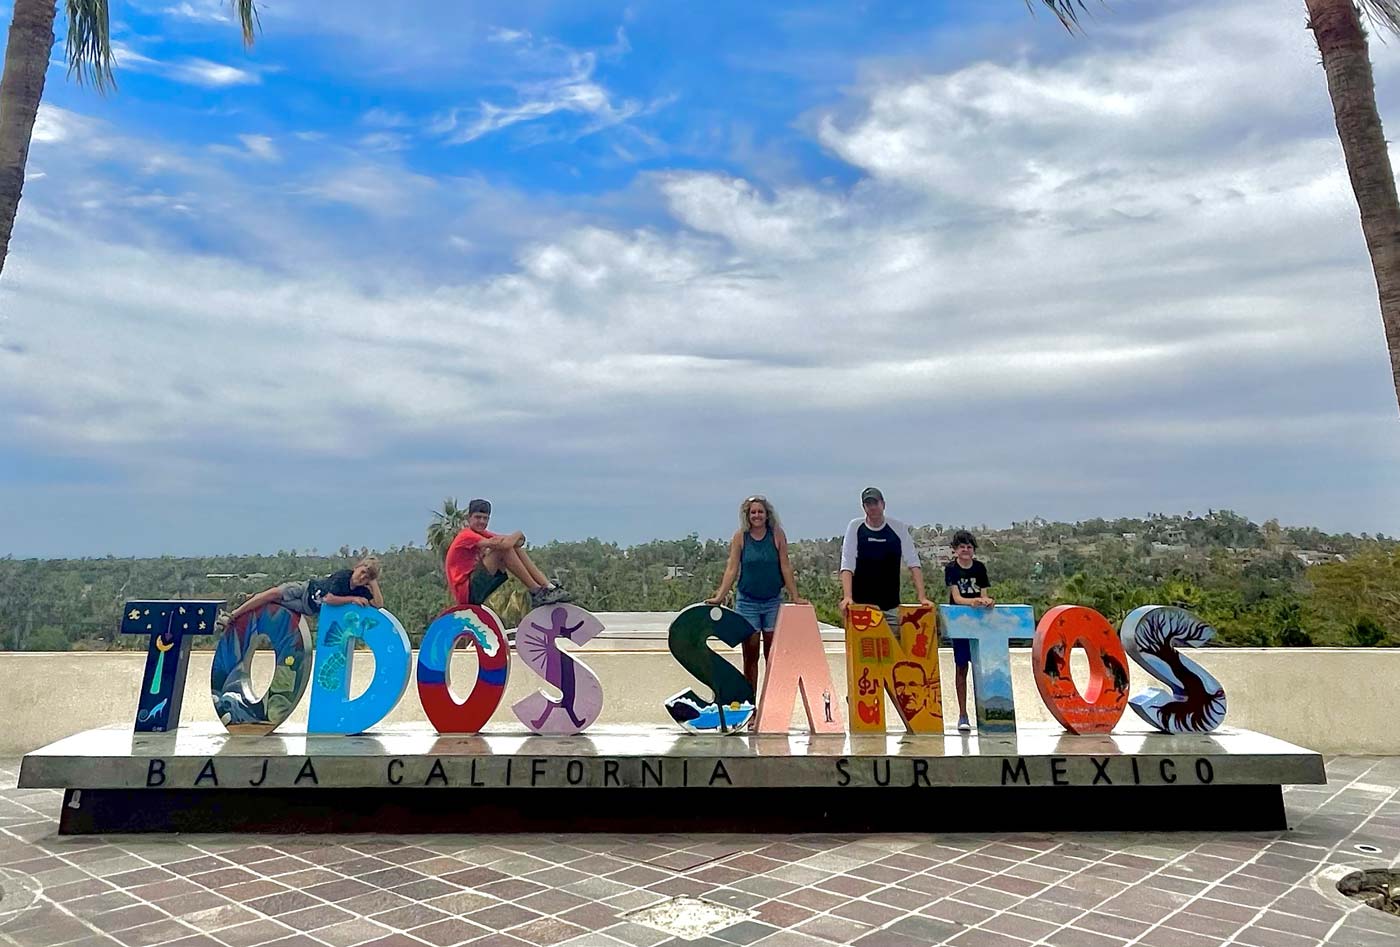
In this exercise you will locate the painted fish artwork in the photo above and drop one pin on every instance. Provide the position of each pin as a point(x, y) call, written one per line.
point(341, 627)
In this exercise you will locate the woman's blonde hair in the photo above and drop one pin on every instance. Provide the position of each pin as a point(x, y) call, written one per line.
point(767, 508)
point(371, 564)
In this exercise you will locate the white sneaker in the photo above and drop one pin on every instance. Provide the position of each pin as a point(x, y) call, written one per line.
point(963, 725)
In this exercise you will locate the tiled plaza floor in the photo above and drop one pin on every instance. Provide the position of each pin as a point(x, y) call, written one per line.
point(1110, 890)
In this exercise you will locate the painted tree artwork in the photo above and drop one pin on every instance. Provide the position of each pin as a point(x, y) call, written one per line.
point(1152, 636)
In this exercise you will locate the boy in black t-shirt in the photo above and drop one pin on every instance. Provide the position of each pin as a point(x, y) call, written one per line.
point(357, 586)
point(967, 583)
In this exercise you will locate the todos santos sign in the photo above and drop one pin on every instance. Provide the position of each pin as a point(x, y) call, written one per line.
point(880, 660)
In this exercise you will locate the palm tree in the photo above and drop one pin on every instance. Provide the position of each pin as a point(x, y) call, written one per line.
point(447, 523)
point(22, 86)
point(1341, 39)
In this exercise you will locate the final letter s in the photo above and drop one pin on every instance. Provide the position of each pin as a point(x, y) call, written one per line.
point(1196, 703)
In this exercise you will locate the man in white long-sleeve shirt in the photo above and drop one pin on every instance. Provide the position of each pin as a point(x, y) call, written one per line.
point(871, 554)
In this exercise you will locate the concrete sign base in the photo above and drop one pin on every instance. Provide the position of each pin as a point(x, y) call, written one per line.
point(410, 779)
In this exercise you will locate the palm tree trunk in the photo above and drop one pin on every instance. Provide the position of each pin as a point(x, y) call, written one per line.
point(21, 88)
point(1336, 24)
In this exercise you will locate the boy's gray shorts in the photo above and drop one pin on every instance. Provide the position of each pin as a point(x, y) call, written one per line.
point(294, 597)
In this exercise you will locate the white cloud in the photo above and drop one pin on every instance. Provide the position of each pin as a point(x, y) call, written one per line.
point(385, 118)
point(1053, 281)
point(212, 74)
point(507, 36)
point(373, 188)
point(568, 86)
point(383, 141)
point(190, 70)
point(208, 11)
point(261, 146)
point(54, 124)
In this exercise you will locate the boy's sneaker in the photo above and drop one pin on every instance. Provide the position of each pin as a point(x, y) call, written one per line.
point(556, 595)
point(963, 725)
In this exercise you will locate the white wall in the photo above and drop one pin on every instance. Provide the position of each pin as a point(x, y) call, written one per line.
point(1334, 700)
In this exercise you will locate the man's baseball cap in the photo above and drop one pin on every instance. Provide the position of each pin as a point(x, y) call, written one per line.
point(871, 493)
point(479, 506)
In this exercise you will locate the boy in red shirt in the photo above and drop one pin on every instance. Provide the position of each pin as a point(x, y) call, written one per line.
point(479, 561)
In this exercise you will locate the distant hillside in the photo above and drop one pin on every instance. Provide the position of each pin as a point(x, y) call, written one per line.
point(1259, 584)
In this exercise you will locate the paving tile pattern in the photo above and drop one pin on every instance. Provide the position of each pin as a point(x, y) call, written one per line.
point(1013, 890)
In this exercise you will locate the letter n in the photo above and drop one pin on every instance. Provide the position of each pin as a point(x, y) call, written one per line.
point(878, 660)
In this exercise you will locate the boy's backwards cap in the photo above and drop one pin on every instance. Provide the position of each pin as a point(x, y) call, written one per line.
point(871, 493)
point(479, 506)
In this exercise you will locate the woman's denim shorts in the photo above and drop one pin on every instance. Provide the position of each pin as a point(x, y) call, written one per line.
point(762, 613)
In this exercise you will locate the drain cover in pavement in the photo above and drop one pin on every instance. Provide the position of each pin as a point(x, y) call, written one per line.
point(1377, 887)
point(17, 892)
point(688, 918)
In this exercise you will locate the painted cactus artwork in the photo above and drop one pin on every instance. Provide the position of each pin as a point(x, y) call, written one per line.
point(339, 629)
point(231, 679)
point(688, 638)
point(1152, 636)
point(480, 626)
point(1060, 631)
point(581, 693)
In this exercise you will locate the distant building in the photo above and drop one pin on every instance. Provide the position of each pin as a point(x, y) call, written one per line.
point(1313, 557)
point(937, 552)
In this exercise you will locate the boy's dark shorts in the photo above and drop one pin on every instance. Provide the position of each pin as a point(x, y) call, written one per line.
point(962, 650)
point(483, 583)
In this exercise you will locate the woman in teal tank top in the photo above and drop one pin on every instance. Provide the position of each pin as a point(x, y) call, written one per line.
point(758, 556)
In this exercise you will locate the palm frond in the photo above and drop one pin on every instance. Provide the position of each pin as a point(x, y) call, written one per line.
point(90, 43)
point(1067, 11)
point(247, 13)
point(1384, 14)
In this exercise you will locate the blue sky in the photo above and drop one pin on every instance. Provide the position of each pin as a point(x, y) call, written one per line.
point(617, 265)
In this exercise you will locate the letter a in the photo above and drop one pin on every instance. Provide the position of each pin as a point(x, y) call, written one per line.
point(796, 665)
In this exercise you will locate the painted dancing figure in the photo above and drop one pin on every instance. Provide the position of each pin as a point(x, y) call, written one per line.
point(556, 668)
